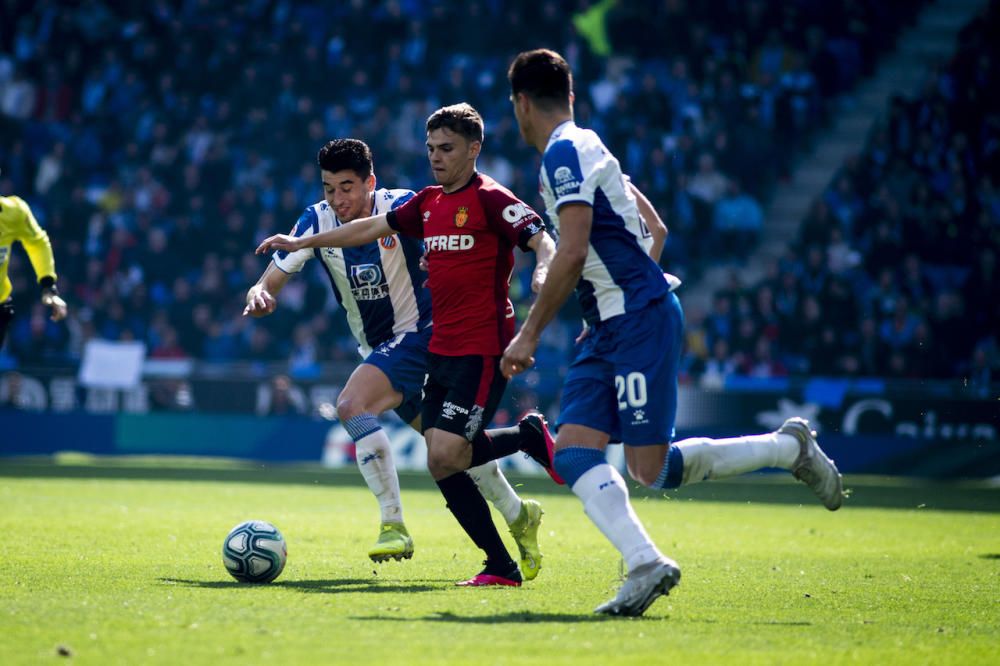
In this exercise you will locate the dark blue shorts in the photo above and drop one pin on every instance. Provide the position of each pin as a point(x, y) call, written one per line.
point(404, 361)
point(624, 379)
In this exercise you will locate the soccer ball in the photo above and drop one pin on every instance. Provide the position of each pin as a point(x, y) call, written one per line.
point(254, 552)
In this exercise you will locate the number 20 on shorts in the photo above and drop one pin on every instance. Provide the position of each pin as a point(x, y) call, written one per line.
point(631, 390)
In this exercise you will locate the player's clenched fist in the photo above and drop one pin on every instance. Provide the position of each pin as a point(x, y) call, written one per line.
point(280, 242)
point(519, 355)
point(259, 302)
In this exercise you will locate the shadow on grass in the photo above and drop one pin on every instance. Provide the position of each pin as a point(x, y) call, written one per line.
point(990, 556)
point(780, 623)
point(517, 617)
point(323, 586)
point(768, 623)
point(865, 492)
point(524, 617)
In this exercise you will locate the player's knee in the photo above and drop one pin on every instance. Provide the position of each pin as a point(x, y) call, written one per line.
point(348, 407)
point(644, 473)
point(433, 466)
point(666, 472)
point(442, 462)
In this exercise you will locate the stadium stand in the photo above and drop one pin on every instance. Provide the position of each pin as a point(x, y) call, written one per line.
point(157, 142)
point(894, 273)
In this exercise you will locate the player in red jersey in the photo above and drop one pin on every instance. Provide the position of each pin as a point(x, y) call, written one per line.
point(470, 225)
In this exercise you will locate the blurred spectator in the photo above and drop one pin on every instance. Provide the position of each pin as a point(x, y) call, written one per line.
point(707, 184)
point(283, 398)
point(718, 367)
point(738, 220)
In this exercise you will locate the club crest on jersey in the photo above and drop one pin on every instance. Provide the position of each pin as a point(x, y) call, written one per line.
point(388, 242)
point(368, 282)
point(461, 216)
point(565, 181)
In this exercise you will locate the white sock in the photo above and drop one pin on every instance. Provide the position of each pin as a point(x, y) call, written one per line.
point(374, 455)
point(605, 501)
point(493, 485)
point(706, 458)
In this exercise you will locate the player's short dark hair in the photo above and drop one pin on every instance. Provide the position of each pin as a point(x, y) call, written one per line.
point(544, 76)
point(461, 119)
point(340, 154)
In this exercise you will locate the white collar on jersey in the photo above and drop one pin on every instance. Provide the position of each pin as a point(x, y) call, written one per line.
point(558, 130)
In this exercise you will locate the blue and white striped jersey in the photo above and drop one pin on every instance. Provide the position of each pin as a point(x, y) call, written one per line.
point(618, 276)
point(379, 285)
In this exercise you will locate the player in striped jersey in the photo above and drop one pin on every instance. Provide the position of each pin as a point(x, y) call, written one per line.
point(17, 223)
point(380, 286)
point(622, 385)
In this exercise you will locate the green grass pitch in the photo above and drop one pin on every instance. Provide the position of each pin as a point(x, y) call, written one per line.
point(119, 562)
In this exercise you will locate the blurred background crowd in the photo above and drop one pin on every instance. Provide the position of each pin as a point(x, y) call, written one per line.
point(894, 273)
point(158, 142)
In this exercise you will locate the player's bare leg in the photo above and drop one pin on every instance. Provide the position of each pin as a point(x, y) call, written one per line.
point(792, 447)
point(580, 460)
point(367, 394)
point(447, 453)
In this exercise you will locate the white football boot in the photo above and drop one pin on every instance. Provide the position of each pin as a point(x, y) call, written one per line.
point(813, 467)
point(642, 587)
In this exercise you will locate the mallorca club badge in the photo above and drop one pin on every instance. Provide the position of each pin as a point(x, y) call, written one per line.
point(462, 216)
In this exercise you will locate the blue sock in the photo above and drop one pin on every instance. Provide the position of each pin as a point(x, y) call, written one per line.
point(673, 470)
point(573, 462)
point(360, 426)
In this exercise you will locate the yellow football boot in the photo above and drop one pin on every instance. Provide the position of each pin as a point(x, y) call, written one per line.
point(394, 543)
point(525, 532)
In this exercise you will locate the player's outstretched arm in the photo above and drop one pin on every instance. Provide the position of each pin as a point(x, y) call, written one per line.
point(262, 297)
point(358, 232)
point(545, 250)
point(656, 226)
point(575, 220)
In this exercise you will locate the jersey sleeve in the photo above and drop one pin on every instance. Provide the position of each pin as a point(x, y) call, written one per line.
point(34, 240)
point(406, 217)
point(565, 175)
point(401, 199)
point(510, 217)
point(292, 262)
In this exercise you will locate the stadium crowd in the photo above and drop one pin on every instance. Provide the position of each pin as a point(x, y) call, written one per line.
point(895, 271)
point(158, 142)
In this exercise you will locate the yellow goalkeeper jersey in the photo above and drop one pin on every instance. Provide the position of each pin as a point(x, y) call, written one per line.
point(18, 224)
